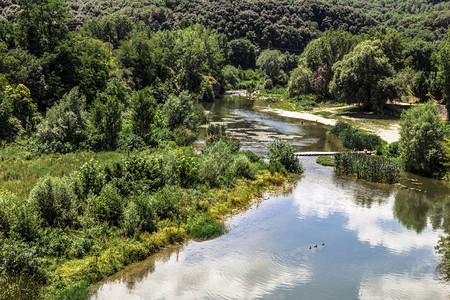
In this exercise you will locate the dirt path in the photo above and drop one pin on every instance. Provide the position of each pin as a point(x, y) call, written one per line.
point(390, 135)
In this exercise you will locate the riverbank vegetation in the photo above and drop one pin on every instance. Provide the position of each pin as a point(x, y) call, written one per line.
point(371, 168)
point(99, 104)
point(325, 160)
point(75, 230)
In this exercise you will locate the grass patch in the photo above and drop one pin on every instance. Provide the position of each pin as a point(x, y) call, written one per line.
point(325, 160)
point(19, 176)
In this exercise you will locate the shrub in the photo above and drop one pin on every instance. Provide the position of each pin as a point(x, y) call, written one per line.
point(90, 179)
point(243, 168)
point(206, 227)
point(206, 91)
point(187, 166)
point(217, 158)
point(139, 215)
point(166, 203)
point(184, 136)
point(18, 258)
point(277, 166)
point(108, 206)
point(54, 198)
point(18, 218)
point(284, 153)
point(353, 138)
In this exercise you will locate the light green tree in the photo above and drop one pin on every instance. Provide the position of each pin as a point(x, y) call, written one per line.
point(422, 140)
point(23, 107)
point(270, 62)
point(299, 83)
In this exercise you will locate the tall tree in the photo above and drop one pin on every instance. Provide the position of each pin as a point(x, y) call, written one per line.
point(42, 24)
point(442, 60)
point(362, 76)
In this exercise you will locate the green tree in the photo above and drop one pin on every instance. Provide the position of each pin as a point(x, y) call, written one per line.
point(442, 61)
point(327, 49)
point(422, 137)
point(105, 122)
point(242, 53)
point(6, 124)
point(270, 62)
point(138, 55)
point(18, 66)
point(362, 76)
point(78, 61)
point(299, 83)
point(23, 107)
point(63, 129)
point(143, 108)
point(42, 24)
point(391, 43)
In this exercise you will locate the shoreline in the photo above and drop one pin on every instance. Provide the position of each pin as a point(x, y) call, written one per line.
point(388, 135)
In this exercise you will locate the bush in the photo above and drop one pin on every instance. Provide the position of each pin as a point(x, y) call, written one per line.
point(63, 129)
point(108, 206)
point(371, 168)
point(90, 180)
point(206, 227)
point(18, 218)
point(284, 153)
point(166, 203)
point(54, 198)
point(139, 215)
point(243, 168)
point(206, 91)
point(18, 258)
point(277, 166)
point(353, 138)
point(217, 158)
point(184, 136)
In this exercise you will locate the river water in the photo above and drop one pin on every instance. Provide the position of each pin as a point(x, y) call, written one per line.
point(327, 237)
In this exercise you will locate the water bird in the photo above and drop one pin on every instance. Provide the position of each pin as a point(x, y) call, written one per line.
point(323, 244)
point(310, 247)
point(315, 246)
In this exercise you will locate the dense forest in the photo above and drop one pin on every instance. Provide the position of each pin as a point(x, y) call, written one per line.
point(103, 97)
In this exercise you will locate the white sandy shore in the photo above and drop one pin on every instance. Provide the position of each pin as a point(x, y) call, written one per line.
point(389, 135)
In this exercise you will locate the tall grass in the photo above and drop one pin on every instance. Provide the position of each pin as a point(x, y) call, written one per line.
point(371, 168)
point(19, 176)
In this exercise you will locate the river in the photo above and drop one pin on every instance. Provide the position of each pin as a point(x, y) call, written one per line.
point(327, 237)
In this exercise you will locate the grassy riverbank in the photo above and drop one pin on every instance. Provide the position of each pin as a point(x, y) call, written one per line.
point(89, 215)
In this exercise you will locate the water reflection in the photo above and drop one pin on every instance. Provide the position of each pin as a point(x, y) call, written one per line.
point(256, 129)
point(379, 239)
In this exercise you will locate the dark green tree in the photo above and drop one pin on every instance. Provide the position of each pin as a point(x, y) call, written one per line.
point(143, 109)
point(42, 23)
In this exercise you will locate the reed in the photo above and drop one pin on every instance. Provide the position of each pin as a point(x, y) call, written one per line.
point(371, 168)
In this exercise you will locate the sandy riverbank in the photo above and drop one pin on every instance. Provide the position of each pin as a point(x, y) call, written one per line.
point(389, 135)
